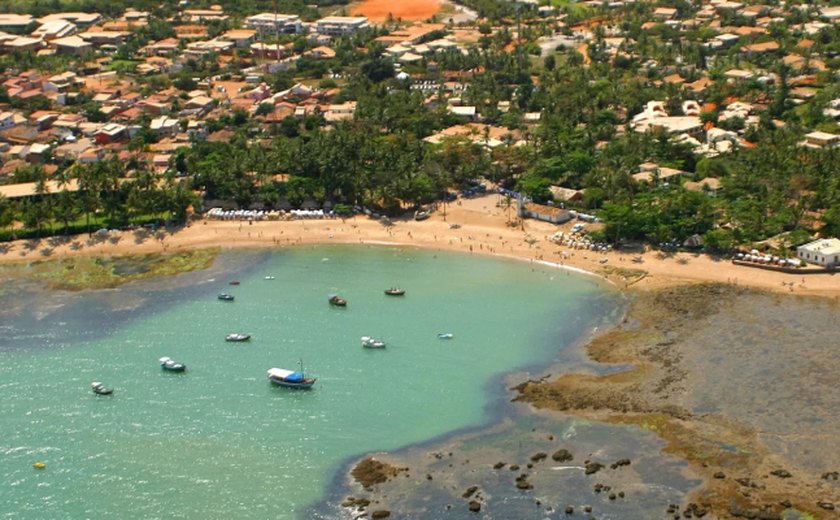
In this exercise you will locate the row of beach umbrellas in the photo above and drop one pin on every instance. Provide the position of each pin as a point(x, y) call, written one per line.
point(760, 258)
point(251, 214)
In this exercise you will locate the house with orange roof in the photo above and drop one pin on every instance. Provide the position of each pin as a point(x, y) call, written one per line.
point(269, 50)
point(674, 79)
point(665, 13)
point(760, 48)
point(699, 87)
point(99, 38)
point(129, 114)
point(215, 13)
point(190, 32)
point(746, 30)
point(709, 185)
point(92, 155)
point(160, 47)
point(321, 53)
point(203, 104)
point(43, 119)
point(241, 38)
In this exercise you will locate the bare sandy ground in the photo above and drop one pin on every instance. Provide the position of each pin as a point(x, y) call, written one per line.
point(485, 229)
point(378, 10)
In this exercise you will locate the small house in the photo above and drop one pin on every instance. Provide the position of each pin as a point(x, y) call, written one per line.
point(824, 252)
point(545, 213)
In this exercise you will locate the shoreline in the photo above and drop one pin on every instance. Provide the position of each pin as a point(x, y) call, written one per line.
point(483, 229)
point(748, 468)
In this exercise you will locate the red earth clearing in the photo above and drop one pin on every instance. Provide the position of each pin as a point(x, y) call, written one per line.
point(378, 10)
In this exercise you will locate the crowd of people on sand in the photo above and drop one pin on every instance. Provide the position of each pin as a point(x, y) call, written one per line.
point(577, 241)
point(253, 214)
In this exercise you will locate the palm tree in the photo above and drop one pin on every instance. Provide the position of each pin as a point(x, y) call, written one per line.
point(507, 204)
point(7, 213)
point(67, 208)
point(89, 190)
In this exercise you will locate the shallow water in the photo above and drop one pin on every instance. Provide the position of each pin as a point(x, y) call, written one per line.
point(219, 440)
point(441, 471)
point(770, 361)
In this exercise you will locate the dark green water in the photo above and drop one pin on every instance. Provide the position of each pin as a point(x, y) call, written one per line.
point(219, 441)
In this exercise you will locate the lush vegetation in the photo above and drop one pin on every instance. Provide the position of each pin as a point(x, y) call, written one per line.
point(771, 185)
point(104, 199)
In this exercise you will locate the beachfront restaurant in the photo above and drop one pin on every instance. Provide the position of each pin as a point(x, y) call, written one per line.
point(824, 252)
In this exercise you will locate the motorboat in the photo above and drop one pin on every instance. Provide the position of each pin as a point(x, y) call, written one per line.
point(226, 297)
point(269, 277)
point(290, 378)
point(394, 291)
point(100, 389)
point(233, 282)
point(446, 335)
point(236, 336)
point(338, 301)
point(369, 342)
point(422, 214)
point(171, 365)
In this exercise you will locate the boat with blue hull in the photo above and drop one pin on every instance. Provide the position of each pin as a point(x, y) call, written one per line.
point(290, 378)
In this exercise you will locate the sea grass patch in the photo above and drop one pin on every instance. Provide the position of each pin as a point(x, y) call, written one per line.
point(101, 272)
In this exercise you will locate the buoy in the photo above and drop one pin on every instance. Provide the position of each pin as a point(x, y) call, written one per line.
point(39, 465)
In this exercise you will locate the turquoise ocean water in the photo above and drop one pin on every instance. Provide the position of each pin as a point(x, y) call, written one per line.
point(219, 441)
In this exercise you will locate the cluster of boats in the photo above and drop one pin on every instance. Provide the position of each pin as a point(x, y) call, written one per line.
point(337, 301)
point(279, 376)
point(166, 363)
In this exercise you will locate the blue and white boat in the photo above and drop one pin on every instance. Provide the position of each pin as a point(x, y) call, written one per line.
point(290, 378)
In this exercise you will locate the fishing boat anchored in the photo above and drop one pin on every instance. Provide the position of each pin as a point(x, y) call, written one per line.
point(446, 335)
point(171, 365)
point(290, 378)
point(369, 342)
point(338, 301)
point(394, 291)
point(226, 297)
point(237, 337)
point(100, 389)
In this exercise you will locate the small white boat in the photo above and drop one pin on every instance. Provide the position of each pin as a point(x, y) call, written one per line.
point(237, 337)
point(369, 342)
point(446, 335)
point(269, 278)
point(100, 389)
point(171, 365)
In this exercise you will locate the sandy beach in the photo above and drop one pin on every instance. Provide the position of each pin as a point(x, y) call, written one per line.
point(483, 228)
point(670, 296)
